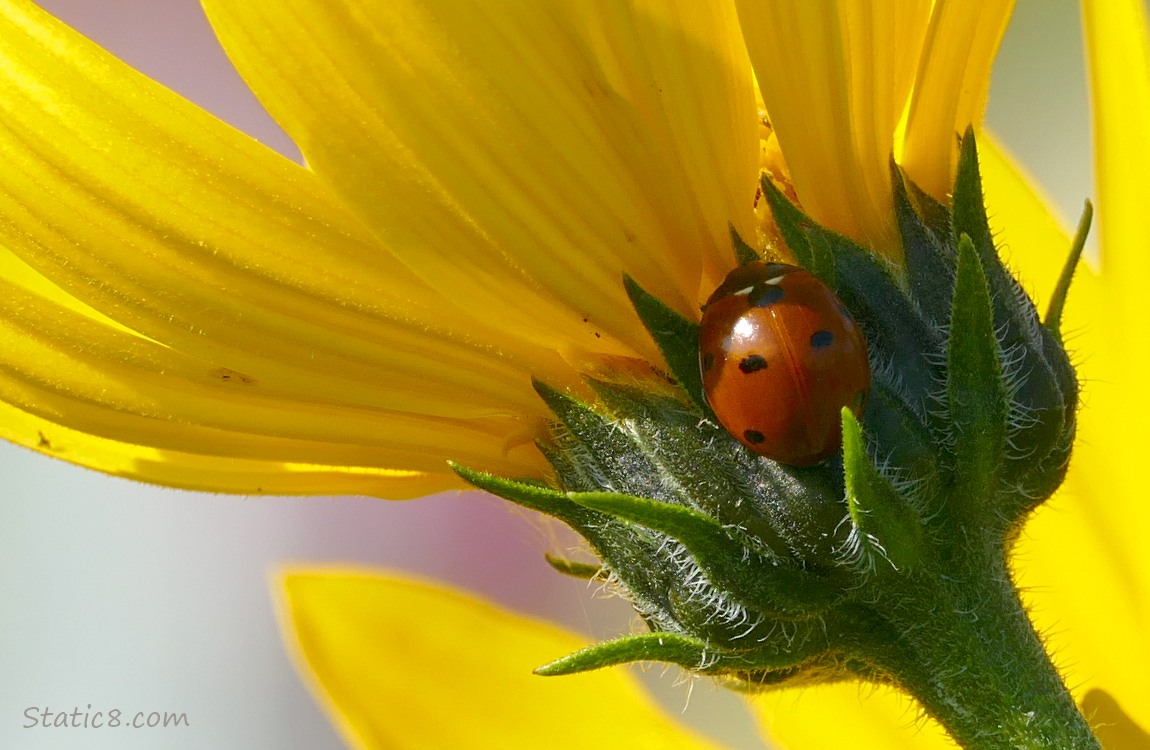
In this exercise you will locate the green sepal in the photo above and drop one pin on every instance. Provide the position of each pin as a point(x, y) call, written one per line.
point(744, 253)
point(893, 325)
point(793, 224)
point(871, 290)
point(676, 337)
point(975, 391)
point(887, 526)
point(626, 552)
point(929, 261)
point(529, 495)
point(685, 651)
point(825, 246)
point(673, 648)
point(1053, 320)
point(1040, 382)
point(933, 215)
point(968, 210)
point(786, 508)
point(916, 451)
point(601, 447)
point(768, 585)
point(573, 474)
point(575, 569)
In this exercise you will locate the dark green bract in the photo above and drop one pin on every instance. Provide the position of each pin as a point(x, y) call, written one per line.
point(887, 563)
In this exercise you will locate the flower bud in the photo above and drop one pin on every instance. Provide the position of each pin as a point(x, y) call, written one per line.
point(767, 573)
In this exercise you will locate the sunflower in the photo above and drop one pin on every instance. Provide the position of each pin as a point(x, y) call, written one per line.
point(184, 307)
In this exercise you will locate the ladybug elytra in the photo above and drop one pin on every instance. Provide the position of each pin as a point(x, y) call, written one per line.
point(780, 357)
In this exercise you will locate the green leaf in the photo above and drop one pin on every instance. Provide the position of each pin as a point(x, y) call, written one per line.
point(887, 526)
point(976, 393)
point(676, 337)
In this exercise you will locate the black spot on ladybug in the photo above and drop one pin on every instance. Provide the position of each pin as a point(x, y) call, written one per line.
point(753, 363)
point(753, 436)
point(764, 295)
point(822, 339)
point(708, 361)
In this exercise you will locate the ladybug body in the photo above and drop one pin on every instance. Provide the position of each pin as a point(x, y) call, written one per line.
point(780, 357)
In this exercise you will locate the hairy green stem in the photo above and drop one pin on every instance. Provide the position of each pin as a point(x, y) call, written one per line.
point(976, 664)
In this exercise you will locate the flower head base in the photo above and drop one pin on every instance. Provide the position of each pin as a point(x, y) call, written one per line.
point(234, 333)
point(769, 574)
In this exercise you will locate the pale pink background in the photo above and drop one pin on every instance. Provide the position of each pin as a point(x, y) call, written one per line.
point(121, 595)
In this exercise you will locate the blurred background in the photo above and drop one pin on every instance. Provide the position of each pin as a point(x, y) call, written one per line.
point(121, 595)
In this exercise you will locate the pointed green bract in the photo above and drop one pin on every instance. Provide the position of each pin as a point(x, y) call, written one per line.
point(735, 563)
point(975, 392)
point(542, 499)
point(1053, 320)
point(687, 652)
point(792, 224)
point(672, 648)
point(929, 262)
point(744, 253)
point(1042, 388)
point(888, 527)
point(677, 339)
point(575, 569)
point(968, 210)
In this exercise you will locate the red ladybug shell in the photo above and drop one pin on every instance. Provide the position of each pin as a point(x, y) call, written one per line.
point(780, 357)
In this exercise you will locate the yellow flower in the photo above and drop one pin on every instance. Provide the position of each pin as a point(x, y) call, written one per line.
point(184, 307)
point(181, 306)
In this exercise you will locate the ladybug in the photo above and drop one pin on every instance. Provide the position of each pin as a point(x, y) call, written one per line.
point(780, 357)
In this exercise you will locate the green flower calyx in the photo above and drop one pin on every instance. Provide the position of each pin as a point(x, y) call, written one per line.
point(885, 563)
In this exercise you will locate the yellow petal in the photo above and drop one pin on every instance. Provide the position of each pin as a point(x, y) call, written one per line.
point(214, 473)
point(834, 77)
point(405, 664)
point(173, 288)
point(177, 226)
point(67, 368)
point(847, 716)
point(521, 157)
point(950, 88)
